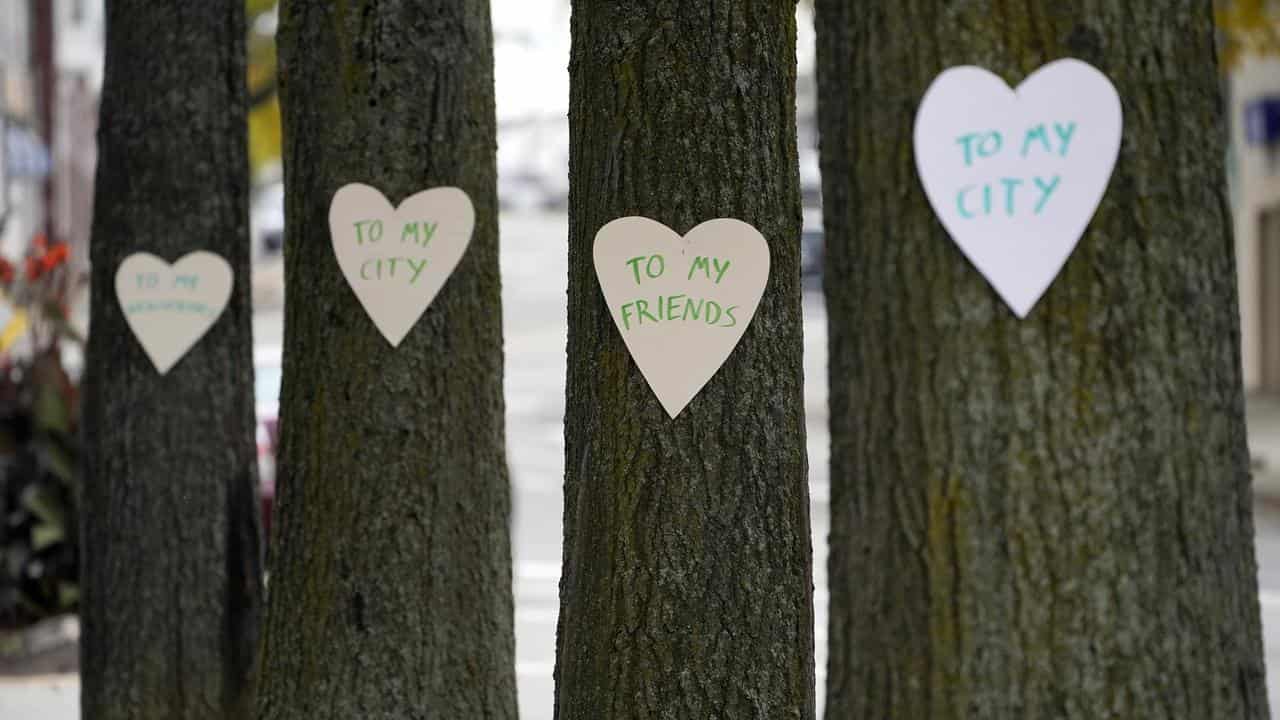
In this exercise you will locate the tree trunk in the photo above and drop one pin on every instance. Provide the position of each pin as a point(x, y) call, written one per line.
point(391, 589)
point(687, 588)
point(172, 574)
point(1049, 517)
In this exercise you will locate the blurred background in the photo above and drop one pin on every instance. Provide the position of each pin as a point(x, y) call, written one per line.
point(50, 74)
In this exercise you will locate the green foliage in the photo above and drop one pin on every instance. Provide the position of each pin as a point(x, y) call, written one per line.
point(39, 455)
point(1248, 27)
point(39, 444)
point(265, 139)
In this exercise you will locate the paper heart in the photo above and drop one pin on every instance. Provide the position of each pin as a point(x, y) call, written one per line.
point(170, 307)
point(681, 303)
point(397, 259)
point(1016, 176)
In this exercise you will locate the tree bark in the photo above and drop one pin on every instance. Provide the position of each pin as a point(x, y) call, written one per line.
point(391, 592)
point(687, 587)
point(172, 574)
point(1052, 517)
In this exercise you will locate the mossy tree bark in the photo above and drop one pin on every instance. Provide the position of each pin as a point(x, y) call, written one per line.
point(172, 574)
point(391, 571)
point(1052, 517)
point(687, 587)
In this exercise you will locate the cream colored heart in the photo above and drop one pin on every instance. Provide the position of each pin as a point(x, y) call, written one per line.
point(397, 259)
point(170, 307)
point(681, 303)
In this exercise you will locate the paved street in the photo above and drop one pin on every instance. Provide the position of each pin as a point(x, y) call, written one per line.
point(534, 270)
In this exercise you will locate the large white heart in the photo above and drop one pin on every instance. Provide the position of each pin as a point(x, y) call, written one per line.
point(1015, 176)
point(170, 307)
point(681, 303)
point(397, 259)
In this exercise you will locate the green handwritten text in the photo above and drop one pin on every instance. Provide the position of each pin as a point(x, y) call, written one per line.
point(409, 269)
point(677, 308)
point(418, 232)
point(707, 266)
point(373, 228)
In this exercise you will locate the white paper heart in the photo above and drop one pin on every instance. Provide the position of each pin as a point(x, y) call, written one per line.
point(681, 304)
point(170, 307)
point(1016, 176)
point(397, 259)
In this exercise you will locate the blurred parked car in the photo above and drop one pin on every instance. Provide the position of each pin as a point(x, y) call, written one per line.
point(266, 219)
point(533, 163)
point(811, 249)
point(266, 228)
point(266, 389)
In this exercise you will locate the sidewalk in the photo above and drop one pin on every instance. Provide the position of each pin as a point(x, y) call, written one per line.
point(38, 678)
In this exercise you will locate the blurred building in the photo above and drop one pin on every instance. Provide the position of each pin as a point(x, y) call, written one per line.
point(78, 42)
point(24, 158)
point(50, 75)
point(1254, 93)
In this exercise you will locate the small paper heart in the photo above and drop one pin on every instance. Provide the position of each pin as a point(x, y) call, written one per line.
point(681, 303)
point(1016, 176)
point(170, 307)
point(397, 259)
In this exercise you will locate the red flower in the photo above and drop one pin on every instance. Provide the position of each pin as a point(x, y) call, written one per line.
point(6, 271)
point(58, 254)
point(33, 268)
point(55, 257)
